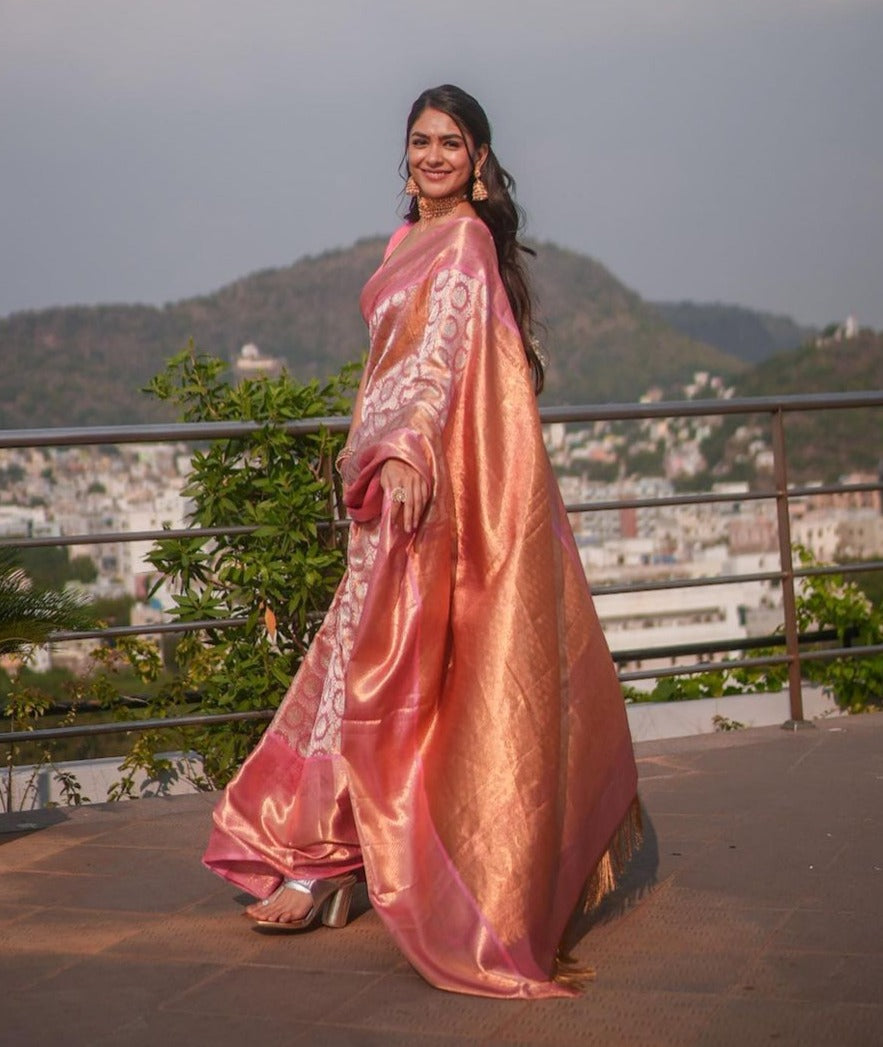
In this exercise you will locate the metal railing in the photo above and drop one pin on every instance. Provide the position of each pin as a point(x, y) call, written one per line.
point(775, 408)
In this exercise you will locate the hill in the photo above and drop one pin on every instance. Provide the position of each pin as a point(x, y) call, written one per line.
point(605, 343)
point(821, 445)
point(86, 366)
point(749, 335)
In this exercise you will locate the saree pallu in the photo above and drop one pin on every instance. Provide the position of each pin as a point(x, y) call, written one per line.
point(457, 727)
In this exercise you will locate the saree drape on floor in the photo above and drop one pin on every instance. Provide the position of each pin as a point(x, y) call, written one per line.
point(457, 727)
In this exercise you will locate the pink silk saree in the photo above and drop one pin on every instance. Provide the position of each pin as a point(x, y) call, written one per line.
point(457, 727)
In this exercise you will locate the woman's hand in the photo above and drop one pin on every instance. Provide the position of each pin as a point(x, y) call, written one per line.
point(406, 489)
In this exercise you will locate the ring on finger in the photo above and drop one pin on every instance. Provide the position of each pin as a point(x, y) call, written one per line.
point(398, 494)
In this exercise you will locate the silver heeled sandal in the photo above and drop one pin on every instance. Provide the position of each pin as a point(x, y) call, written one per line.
point(331, 900)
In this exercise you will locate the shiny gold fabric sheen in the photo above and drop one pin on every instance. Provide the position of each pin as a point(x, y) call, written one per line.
point(484, 766)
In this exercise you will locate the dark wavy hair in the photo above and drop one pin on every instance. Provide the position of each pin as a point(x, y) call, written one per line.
point(499, 212)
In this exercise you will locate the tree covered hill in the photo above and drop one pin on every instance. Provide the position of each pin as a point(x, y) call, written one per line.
point(838, 441)
point(826, 366)
point(605, 343)
point(87, 365)
point(821, 445)
point(749, 335)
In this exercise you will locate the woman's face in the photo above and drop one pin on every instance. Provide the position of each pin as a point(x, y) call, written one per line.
point(439, 157)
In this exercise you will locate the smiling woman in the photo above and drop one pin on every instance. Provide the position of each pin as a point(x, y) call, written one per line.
point(456, 735)
point(461, 127)
point(441, 160)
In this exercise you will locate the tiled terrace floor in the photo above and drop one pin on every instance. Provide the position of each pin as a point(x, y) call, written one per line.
point(764, 924)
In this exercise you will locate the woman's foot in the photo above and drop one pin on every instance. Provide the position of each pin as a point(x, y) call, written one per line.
point(283, 906)
point(296, 904)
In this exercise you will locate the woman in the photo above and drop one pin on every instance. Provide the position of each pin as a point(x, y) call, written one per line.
point(456, 733)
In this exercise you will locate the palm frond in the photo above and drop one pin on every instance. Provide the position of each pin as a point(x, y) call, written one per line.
point(27, 615)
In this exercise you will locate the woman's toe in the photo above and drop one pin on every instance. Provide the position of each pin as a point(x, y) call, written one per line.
point(258, 910)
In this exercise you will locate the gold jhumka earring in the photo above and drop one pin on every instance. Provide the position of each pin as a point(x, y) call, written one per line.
point(411, 187)
point(479, 189)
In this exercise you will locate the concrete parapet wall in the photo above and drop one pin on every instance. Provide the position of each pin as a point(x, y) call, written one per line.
point(650, 721)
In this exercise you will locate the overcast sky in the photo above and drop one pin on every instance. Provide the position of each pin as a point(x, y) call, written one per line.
point(717, 150)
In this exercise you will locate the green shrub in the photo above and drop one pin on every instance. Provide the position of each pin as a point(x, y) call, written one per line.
point(832, 602)
point(277, 580)
point(822, 602)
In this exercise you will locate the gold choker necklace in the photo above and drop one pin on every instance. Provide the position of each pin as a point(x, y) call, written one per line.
point(430, 207)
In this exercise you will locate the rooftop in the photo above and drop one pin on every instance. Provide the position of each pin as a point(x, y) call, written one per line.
point(760, 922)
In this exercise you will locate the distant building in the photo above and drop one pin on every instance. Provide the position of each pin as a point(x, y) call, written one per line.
point(659, 618)
point(752, 533)
point(251, 363)
point(839, 332)
point(861, 536)
point(835, 534)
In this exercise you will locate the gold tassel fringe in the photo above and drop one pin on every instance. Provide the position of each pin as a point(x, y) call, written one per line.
point(625, 842)
point(572, 974)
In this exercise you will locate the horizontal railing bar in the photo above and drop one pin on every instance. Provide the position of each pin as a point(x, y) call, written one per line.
point(711, 498)
point(703, 667)
point(828, 654)
point(845, 568)
point(190, 431)
point(110, 537)
point(743, 643)
point(626, 655)
point(687, 583)
point(158, 629)
point(169, 432)
point(629, 654)
point(693, 408)
point(125, 726)
point(808, 490)
point(732, 579)
point(862, 651)
point(666, 500)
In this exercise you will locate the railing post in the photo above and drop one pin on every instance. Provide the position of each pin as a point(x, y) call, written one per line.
point(10, 767)
point(792, 642)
